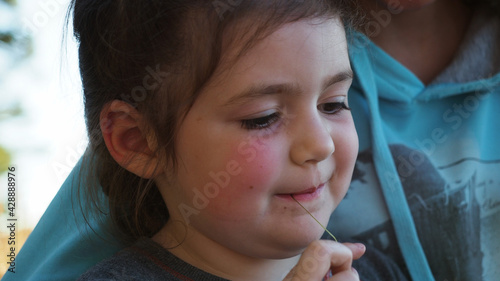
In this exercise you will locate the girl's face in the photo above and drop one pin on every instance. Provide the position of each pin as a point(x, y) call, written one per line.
point(268, 125)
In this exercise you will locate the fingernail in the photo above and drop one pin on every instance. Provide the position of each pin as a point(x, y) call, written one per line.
point(355, 271)
point(360, 246)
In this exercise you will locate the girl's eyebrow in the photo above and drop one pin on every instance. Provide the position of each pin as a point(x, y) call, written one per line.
point(259, 90)
point(346, 75)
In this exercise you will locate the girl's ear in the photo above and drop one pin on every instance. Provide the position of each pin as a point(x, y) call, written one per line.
point(124, 132)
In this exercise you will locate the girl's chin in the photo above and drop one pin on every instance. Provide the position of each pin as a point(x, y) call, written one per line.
point(290, 250)
point(298, 241)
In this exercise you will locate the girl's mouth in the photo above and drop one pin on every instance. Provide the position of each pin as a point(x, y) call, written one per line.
point(304, 195)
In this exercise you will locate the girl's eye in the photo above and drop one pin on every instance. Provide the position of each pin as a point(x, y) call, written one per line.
point(260, 122)
point(333, 107)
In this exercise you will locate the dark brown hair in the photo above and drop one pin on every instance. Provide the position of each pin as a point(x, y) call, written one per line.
point(156, 55)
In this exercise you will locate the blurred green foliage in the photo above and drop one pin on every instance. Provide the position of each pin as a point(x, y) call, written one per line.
point(6, 38)
point(12, 40)
point(4, 159)
point(10, 2)
point(5, 155)
point(14, 37)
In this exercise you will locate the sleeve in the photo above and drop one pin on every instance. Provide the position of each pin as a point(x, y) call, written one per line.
point(63, 246)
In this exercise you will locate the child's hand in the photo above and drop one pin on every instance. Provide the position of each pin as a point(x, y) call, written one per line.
point(324, 255)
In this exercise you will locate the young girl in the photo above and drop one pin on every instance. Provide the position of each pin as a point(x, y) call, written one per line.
point(232, 116)
point(213, 126)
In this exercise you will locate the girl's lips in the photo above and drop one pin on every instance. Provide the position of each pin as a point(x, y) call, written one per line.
point(305, 195)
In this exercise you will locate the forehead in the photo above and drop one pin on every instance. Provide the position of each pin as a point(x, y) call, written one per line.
point(313, 44)
point(250, 37)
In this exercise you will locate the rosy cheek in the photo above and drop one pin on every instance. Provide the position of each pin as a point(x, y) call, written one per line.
point(260, 163)
point(253, 176)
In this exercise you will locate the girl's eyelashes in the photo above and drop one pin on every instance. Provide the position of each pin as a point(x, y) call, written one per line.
point(260, 122)
point(333, 107)
point(265, 122)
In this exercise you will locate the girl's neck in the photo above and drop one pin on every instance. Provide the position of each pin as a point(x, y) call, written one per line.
point(424, 40)
point(211, 257)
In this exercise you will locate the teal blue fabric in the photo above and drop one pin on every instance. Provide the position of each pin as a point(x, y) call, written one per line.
point(62, 246)
point(392, 189)
point(428, 170)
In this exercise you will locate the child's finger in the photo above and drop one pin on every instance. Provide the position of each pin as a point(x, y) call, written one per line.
point(357, 249)
point(347, 275)
point(322, 256)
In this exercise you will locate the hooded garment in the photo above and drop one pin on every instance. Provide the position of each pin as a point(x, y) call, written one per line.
point(426, 186)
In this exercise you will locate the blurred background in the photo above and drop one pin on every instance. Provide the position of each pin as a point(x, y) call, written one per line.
point(42, 130)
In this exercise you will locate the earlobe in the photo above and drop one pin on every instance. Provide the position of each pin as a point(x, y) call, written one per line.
point(124, 133)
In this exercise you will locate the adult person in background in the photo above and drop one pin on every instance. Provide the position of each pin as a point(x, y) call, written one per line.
point(425, 95)
point(425, 103)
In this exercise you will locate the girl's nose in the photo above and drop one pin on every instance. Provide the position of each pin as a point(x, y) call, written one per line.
point(312, 141)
